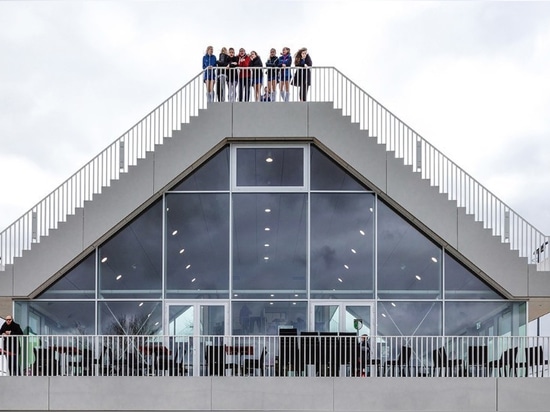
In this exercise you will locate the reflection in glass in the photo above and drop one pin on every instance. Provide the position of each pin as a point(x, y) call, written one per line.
point(181, 320)
point(269, 244)
point(460, 283)
point(197, 245)
point(78, 283)
point(266, 318)
point(270, 166)
point(130, 262)
point(212, 320)
point(327, 318)
point(401, 318)
point(57, 317)
point(212, 175)
point(342, 245)
point(130, 317)
point(327, 175)
point(484, 318)
point(409, 264)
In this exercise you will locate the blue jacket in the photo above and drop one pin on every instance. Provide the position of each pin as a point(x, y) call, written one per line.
point(209, 61)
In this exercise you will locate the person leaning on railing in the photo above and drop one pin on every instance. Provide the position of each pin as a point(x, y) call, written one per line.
point(244, 76)
point(223, 62)
point(10, 331)
point(208, 65)
point(272, 75)
point(232, 74)
point(302, 78)
point(257, 74)
point(285, 61)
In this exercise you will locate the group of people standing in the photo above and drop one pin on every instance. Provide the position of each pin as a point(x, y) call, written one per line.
point(243, 72)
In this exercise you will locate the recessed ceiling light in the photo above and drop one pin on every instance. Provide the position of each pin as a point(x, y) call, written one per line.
point(434, 259)
point(346, 266)
point(119, 277)
point(181, 251)
point(383, 314)
point(393, 304)
point(267, 229)
point(175, 232)
point(418, 277)
point(192, 280)
point(362, 232)
point(266, 245)
point(140, 304)
point(188, 266)
point(268, 210)
point(266, 257)
point(353, 250)
point(104, 259)
point(340, 280)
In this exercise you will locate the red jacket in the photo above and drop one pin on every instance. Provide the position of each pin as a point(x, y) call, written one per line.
point(244, 62)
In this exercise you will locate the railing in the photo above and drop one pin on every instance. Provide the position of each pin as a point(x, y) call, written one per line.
point(309, 354)
point(327, 85)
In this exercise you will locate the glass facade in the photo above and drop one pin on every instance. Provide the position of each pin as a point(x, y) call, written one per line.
point(269, 236)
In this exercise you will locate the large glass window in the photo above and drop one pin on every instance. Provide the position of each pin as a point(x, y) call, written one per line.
point(212, 175)
point(130, 263)
point(267, 317)
point(342, 245)
point(57, 317)
point(327, 175)
point(130, 317)
point(460, 283)
point(270, 166)
point(409, 318)
point(269, 245)
point(197, 245)
point(409, 264)
point(78, 283)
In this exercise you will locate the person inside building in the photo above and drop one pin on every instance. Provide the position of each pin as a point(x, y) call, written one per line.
point(364, 355)
point(10, 331)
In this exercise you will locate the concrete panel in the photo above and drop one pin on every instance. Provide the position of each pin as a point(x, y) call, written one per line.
point(118, 200)
point(270, 120)
point(523, 394)
point(191, 143)
point(134, 393)
point(422, 200)
point(348, 142)
point(46, 257)
point(539, 283)
point(238, 394)
point(22, 393)
point(415, 394)
point(492, 256)
point(6, 281)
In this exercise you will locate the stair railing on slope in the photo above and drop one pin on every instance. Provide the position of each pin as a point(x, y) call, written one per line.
point(327, 85)
point(114, 160)
point(425, 159)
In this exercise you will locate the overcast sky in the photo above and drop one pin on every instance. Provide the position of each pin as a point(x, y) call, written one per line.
point(472, 77)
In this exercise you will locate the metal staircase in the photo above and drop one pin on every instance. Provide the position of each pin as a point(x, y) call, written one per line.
point(328, 85)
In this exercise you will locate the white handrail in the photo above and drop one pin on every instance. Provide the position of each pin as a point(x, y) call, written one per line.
point(327, 85)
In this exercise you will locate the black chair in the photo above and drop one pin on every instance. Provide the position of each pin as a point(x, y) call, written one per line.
point(309, 353)
point(506, 363)
point(45, 363)
point(402, 364)
point(534, 361)
point(478, 362)
point(288, 351)
point(251, 365)
point(445, 366)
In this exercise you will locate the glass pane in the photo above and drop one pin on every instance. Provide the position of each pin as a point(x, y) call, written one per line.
point(401, 318)
point(197, 245)
point(460, 283)
point(326, 174)
point(131, 261)
point(483, 318)
point(181, 320)
point(212, 175)
point(130, 318)
point(57, 318)
point(212, 320)
point(409, 264)
point(327, 318)
point(78, 283)
point(266, 318)
point(270, 167)
point(358, 312)
point(342, 245)
point(269, 244)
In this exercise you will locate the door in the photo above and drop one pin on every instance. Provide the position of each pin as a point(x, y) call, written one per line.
point(194, 328)
point(340, 317)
